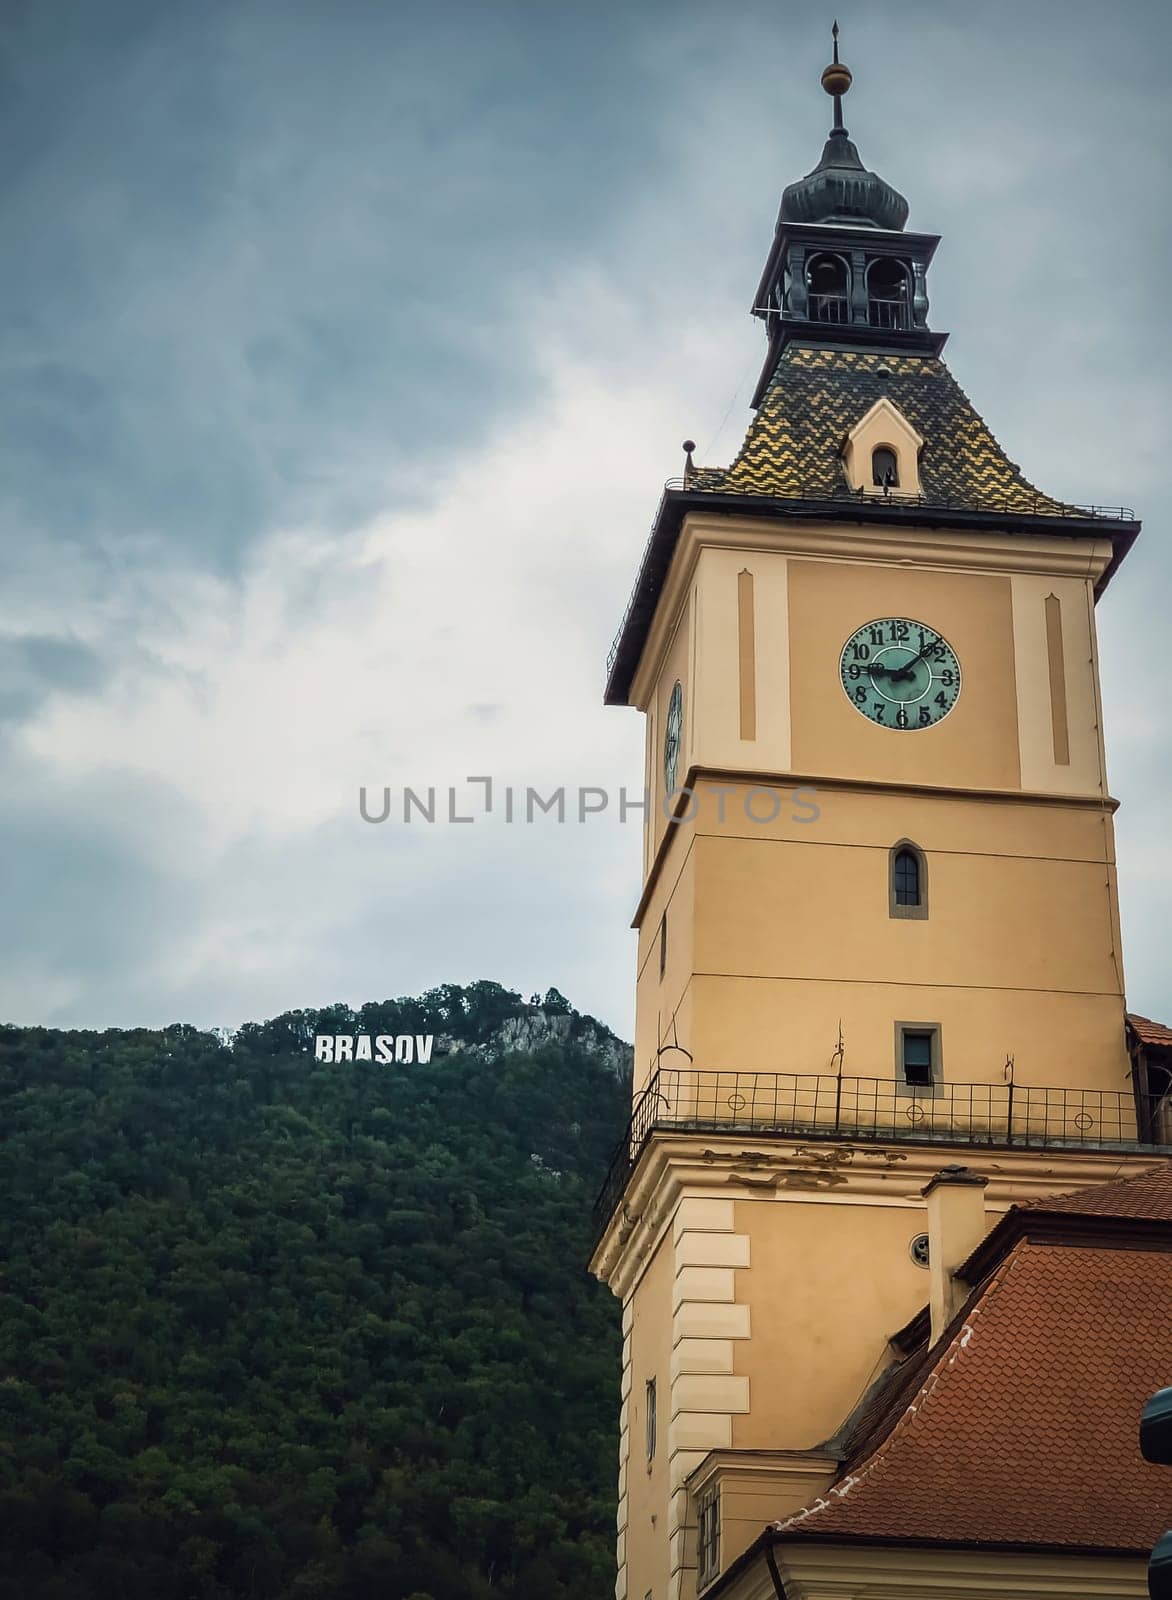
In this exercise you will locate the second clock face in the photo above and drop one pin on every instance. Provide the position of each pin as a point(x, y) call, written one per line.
point(671, 737)
point(900, 674)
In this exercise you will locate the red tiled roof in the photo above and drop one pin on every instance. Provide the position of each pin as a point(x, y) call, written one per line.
point(1149, 1197)
point(1149, 1032)
point(1024, 1430)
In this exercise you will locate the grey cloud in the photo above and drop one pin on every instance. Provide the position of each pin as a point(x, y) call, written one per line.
point(33, 666)
point(86, 915)
point(268, 255)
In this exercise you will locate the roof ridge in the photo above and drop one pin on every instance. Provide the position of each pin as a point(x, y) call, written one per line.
point(878, 1460)
point(1089, 1198)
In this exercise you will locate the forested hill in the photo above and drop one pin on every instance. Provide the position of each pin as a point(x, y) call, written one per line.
point(277, 1327)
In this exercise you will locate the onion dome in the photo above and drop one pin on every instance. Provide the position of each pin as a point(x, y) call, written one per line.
point(840, 189)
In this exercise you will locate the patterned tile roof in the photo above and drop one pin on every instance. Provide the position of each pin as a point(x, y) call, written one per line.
point(1148, 1197)
point(1022, 1429)
point(818, 394)
point(1149, 1032)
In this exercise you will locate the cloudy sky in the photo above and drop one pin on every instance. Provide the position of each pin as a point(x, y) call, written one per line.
point(346, 344)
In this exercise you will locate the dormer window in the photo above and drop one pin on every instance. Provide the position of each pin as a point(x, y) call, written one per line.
point(881, 453)
point(888, 299)
point(828, 289)
point(885, 468)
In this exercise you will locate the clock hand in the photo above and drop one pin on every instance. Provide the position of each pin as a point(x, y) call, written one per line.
point(893, 673)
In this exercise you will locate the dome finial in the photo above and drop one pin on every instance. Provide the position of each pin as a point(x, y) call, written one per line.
point(836, 80)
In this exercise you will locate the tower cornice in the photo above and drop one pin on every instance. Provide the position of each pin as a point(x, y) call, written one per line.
point(675, 1166)
point(854, 529)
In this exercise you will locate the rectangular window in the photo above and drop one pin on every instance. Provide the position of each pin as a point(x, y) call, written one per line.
point(708, 1545)
point(917, 1055)
point(651, 1419)
point(663, 945)
point(917, 1059)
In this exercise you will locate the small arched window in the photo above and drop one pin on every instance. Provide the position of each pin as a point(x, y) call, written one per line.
point(908, 881)
point(828, 289)
point(885, 468)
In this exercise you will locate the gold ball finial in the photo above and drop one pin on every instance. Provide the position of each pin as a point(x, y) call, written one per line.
point(837, 78)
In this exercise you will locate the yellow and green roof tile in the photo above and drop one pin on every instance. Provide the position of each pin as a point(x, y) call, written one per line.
point(793, 449)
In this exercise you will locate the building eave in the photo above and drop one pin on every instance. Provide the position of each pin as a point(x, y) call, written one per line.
point(676, 503)
point(769, 1551)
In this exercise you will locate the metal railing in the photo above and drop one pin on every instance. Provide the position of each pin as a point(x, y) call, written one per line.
point(816, 1105)
point(829, 308)
point(883, 313)
point(1019, 503)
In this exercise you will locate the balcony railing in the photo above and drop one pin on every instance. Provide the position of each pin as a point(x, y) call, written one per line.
point(815, 1105)
point(829, 308)
point(888, 313)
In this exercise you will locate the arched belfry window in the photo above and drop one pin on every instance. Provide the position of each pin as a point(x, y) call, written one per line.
point(888, 294)
point(885, 468)
point(828, 289)
point(907, 881)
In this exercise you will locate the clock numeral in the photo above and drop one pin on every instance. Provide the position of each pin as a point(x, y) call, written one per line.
point(898, 630)
point(879, 710)
point(861, 695)
point(947, 678)
point(942, 700)
point(876, 635)
point(901, 717)
point(861, 652)
point(925, 717)
point(854, 671)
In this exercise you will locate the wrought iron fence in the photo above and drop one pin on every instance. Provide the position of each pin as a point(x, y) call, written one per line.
point(823, 1105)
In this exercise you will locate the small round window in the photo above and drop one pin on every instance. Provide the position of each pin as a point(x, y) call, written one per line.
point(918, 1250)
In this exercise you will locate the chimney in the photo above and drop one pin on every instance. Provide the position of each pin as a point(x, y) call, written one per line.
point(955, 1200)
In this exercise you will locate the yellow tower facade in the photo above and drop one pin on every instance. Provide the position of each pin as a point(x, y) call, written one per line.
point(878, 927)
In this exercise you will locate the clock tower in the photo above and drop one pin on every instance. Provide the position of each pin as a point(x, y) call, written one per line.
point(878, 927)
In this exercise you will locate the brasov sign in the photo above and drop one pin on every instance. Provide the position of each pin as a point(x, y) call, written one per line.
point(380, 1047)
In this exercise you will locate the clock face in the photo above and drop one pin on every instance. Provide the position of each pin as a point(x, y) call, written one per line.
point(900, 674)
point(671, 737)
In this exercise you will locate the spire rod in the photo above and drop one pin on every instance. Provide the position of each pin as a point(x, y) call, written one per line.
point(836, 80)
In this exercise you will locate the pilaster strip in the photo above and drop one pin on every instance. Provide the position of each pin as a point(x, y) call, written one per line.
point(747, 654)
point(1059, 722)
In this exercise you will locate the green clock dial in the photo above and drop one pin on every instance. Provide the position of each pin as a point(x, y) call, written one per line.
point(671, 737)
point(900, 674)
